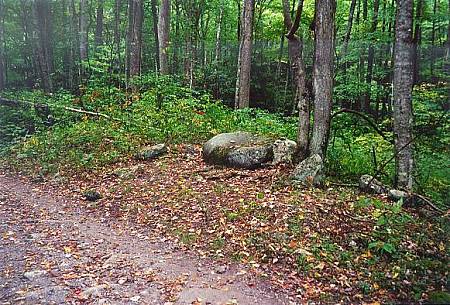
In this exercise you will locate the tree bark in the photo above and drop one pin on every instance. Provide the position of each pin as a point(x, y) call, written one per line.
point(2, 52)
point(295, 49)
point(83, 31)
point(163, 36)
point(323, 75)
point(45, 53)
point(154, 5)
point(349, 25)
point(242, 97)
point(416, 42)
point(136, 38)
point(99, 24)
point(370, 58)
point(402, 104)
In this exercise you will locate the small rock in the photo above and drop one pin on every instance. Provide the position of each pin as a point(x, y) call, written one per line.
point(122, 281)
point(31, 275)
point(221, 269)
point(375, 186)
point(92, 195)
point(397, 195)
point(284, 151)
point(151, 152)
point(135, 299)
point(95, 291)
point(309, 171)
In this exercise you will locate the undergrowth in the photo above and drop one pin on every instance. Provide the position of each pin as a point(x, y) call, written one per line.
point(165, 111)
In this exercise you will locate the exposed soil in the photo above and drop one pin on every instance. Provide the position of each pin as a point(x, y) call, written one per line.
point(54, 251)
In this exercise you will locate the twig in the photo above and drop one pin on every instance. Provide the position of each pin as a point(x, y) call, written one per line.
point(428, 202)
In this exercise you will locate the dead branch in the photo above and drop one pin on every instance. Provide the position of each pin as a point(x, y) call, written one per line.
point(16, 103)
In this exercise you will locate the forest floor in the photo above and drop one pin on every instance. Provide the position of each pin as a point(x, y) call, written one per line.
point(55, 252)
point(177, 231)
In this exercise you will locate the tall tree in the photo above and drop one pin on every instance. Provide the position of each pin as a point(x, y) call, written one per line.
point(370, 57)
point(416, 41)
point(242, 96)
point(2, 52)
point(323, 74)
point(295, 49)
point(83, 30)
point(402, 87)
point(44, 43)
point(136, 37)
point(99, 24)
point(349, 25)
point(154, 5)
point(163, 36)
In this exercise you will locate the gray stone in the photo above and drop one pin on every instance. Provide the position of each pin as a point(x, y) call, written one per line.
point(284, 151)
point(32, 275)
point(94, 292)
point(92, 195)
point(309, 171)
point(375, 186)
point(152, 152)
point(397, 195)
point(238, 149)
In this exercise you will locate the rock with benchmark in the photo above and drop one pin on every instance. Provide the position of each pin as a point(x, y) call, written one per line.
point(284, 151)
point(151, 152)
point(309, 171)
point(238, 149)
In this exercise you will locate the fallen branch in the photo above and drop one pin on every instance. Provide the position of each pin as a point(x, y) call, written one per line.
point(16, 103)
point(428, 202)
point(367, 119)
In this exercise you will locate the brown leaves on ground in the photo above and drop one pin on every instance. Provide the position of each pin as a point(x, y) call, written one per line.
point(312, 242)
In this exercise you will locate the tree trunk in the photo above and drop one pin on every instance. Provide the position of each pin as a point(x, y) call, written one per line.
point(295, 49)
point(402, 104)
point(349, 25)
point(45, 53)
point(323, 75)
point(136, 38)
point(219, 33)
point(2, 52)
point(163, 36)
point(416, 42)
point(370, 58)
point(83, 31)
point(154, 5)
point(242, 97)
point(433, 38)
point(99, 24)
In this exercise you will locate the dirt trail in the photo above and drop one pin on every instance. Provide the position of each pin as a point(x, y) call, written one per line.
point(55, 252)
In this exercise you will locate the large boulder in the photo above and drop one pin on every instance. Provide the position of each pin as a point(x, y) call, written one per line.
point(284, 151)
point(309, 171)
point(238, 149)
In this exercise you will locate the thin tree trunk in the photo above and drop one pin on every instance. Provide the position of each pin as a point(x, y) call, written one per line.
point(2, 52)
point(219, 33)
point(403, 83)
point(433, 38)
point(349, 25)
point(365, 10)
point(295, 47)
point(370, 58)
point(323, 75)
point(242, 97)
point(83, 31)
point(99, 24)
point(116, 34)
point(136, 38)
point(43, 16)
point(154, 5)
point(163, 36)
point(416, 42)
